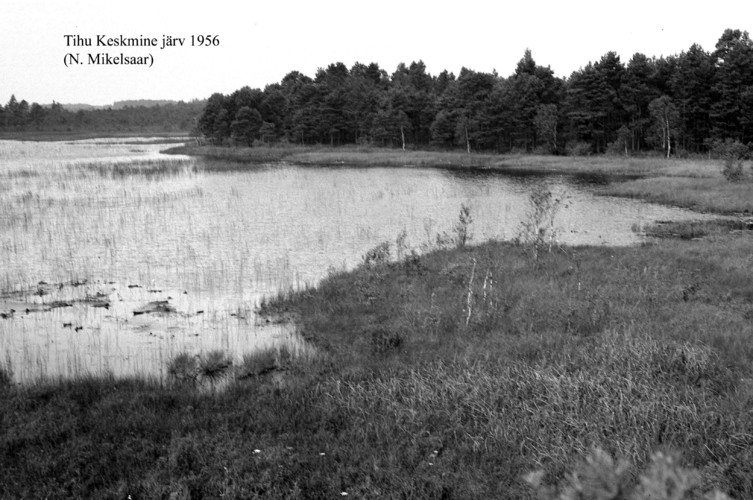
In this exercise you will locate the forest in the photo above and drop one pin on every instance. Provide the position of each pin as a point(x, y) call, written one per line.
point(20, 117)
point(677, 104)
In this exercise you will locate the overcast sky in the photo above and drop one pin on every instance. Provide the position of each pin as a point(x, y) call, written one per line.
point(260, 42)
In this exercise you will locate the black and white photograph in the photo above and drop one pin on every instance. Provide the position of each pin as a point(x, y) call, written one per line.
point(376, 250)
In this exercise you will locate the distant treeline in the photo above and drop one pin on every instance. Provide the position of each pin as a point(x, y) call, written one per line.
point(20, 116)
point(675, 103)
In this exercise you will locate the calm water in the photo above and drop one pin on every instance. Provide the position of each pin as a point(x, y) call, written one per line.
point(210, 245)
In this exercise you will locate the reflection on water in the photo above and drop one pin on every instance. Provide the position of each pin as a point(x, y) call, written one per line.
point(102, 245)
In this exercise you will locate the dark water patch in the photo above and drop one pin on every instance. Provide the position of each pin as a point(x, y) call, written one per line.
point(601, 179)
point(695, 229)
point(480, 172)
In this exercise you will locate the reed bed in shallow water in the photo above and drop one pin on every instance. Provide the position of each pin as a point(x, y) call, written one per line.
point(94, 231)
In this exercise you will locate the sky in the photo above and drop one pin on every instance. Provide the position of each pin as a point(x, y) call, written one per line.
point(260, 42)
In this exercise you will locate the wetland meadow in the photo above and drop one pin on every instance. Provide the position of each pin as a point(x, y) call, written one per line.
point(313, 323)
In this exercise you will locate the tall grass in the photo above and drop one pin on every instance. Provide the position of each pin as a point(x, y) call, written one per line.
point(710, 194)
point(632, 351)
point(97, 220)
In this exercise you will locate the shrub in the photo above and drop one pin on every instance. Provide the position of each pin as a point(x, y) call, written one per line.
point(616, 148)
point(380, 254)
point(462, 226)
point(733, 153)
point(537, 231)
point(578, 149)
point(600, 476)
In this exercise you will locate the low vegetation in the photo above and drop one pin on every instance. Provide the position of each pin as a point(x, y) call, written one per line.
point(504, 370)
point(698, 183)
point(469, 372)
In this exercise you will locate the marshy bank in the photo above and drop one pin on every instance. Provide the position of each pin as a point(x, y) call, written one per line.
point(694, 183)
point(453, 374)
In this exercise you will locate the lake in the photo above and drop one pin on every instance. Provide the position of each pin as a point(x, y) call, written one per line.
point(114, 257)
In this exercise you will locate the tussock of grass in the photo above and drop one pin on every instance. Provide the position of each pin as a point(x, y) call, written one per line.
point(214, 366)
point(183, 369)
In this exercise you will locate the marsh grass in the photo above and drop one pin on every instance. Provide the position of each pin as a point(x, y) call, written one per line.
point(184, 369)
point(622, 348)
point(450, 374)
point(214, 366)
point(696, 183)
point(703, 194)
point(689, 230)
point(593, 348)
point(102, 215)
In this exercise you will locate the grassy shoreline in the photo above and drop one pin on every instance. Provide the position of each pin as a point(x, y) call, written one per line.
point(696, 184)
point(452, 374)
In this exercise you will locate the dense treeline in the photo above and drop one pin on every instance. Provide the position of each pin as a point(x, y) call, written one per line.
point(676, 103)
point(20, 116)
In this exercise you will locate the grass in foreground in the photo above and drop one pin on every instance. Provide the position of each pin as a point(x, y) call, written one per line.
point(451, 375)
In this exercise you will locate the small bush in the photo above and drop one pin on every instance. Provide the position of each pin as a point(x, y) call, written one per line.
point(733, 153)
point(380, 254)
point(462, 226)
point(537, 231)
point(578, 149)
point(600, 476)
point(412, 265)
point(543, 150)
